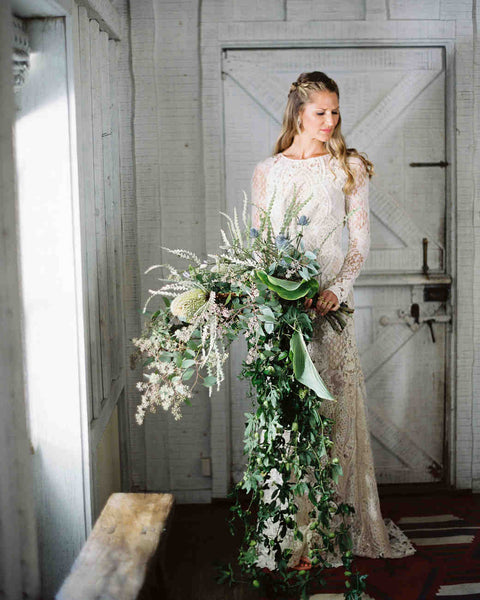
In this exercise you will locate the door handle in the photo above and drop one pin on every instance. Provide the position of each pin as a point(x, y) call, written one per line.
point(414, 322)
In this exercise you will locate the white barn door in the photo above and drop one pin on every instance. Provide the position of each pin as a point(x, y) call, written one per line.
point(393, 107)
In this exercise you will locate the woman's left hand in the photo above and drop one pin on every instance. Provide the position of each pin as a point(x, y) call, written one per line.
point(327, 301)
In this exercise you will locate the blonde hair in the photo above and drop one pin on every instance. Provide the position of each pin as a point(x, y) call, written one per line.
point(298, 96)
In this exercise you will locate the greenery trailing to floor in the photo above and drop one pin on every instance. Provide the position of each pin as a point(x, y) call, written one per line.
point(257, 288)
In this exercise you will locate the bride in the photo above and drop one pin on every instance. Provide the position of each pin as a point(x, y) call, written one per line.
point(312, 159)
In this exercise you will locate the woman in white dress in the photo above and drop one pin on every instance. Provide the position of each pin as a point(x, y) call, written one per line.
point(312, 159)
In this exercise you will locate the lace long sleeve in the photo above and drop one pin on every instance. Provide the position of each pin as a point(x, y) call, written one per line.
point(358, 225)
point(258, 195)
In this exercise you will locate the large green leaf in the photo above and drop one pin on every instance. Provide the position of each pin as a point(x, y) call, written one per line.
point(304, 369)
point(286, 284)
point(289, 290)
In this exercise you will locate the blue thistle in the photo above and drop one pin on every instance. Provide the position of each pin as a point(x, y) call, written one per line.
point(303, 220)
point(253, 232)
point(281, 241)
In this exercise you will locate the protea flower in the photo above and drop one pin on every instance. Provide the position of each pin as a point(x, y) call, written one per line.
point(185, 305)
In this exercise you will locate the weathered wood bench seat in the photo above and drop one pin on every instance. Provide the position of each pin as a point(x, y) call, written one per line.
point(123, 550)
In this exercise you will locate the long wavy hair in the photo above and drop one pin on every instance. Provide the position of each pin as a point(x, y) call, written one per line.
point(299, 95)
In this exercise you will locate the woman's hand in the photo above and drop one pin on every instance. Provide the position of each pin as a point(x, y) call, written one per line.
point(327, 301)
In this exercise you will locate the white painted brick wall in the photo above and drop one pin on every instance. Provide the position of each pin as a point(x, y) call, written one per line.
point(175, 183)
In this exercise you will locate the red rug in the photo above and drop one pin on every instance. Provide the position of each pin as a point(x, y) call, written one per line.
point(446, 565)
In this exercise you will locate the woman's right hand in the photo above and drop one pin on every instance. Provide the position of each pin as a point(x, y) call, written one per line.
point(322, 303)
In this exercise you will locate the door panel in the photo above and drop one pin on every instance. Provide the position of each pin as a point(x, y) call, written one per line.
point(393, 108)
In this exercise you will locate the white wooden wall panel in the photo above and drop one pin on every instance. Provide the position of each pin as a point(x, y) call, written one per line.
point(108, 157)
point(98, 175)
point(103, 236)
point(324, 10)
point(116, 212)
point(251, 10)
point(132, 437)
point(169, 212)
point(410, 9)
point(180, 207)
point(86, 196)
point(476, 270)
point(19, 571)
point(466, 424)
point(147, 234)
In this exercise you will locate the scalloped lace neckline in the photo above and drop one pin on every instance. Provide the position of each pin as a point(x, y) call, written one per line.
point(303, 159)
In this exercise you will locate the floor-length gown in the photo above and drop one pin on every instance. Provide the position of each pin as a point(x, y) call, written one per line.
point(334, 355)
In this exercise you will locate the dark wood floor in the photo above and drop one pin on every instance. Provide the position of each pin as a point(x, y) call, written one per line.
point(199, 536)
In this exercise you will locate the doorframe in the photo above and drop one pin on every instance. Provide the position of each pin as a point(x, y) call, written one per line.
point(217, 37)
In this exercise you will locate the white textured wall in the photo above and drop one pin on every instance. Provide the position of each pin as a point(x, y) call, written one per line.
point(178, 185)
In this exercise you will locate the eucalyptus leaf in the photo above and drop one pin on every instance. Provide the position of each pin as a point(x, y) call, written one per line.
point(269, 327)
point(188, 374)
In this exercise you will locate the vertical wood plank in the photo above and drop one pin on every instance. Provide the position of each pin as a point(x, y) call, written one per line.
point(117, 211)
point(132, 436)
point(96, 85)
point(108, 203)
point(87, 204)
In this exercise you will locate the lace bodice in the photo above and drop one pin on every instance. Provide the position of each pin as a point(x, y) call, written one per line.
point(322, 178)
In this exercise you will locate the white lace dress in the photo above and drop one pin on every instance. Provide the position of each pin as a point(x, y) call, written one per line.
point(334, 355)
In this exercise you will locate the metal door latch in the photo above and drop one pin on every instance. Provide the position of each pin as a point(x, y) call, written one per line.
point(414, 320)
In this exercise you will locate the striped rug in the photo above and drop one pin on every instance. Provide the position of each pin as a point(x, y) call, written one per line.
point(438, 530)
point(446, 566)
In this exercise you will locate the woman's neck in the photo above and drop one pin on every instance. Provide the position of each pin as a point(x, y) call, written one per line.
point(302, 149)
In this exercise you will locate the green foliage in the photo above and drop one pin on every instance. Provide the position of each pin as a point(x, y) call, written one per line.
point(257, 288)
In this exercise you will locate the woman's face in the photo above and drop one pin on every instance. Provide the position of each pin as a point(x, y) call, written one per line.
point(320, 116)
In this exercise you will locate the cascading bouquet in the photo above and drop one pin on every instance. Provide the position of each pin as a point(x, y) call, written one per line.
point(257, 288)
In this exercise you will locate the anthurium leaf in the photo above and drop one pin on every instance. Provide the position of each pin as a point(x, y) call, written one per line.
point(293, 294)
point(286, 284)
point(289, 290)
point(262, 276)
point(304, 369)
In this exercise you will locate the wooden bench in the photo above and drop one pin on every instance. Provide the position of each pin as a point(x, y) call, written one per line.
point(122, 558)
